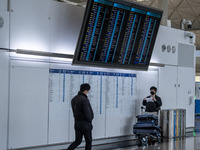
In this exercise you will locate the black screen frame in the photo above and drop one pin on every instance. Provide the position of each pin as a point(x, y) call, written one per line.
point(78, 62)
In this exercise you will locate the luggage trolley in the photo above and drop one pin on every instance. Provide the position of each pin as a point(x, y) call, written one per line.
point(147, 129)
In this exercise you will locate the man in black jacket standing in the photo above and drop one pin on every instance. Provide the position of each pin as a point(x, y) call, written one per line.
point(83, 116)
point(152, 102)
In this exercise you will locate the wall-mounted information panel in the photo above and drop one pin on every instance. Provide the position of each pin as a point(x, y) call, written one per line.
point(112, 97)
point(117, 34)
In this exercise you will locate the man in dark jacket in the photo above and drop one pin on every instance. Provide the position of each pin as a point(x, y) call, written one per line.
point(152, 102)
point(83, 116)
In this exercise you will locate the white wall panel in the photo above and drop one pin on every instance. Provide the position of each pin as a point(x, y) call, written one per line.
point(3, 5)
point(52, 26)
point(4, 31)
point(28, 115)
point(128, 117)
point(59, 130)
point(168, 86)
point(26, 63)
point(180, 34)
point(166, 36)
point(177, 90)
point(186, 93)
point(145, 80)
point(112, 117)
point(4, 75)
point(71, 126)
point(66, 21)
point(58, 108)
point(169, 37)
point(186, 55)
point(30, 24)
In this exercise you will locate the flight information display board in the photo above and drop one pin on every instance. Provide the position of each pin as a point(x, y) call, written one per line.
point(117, 34)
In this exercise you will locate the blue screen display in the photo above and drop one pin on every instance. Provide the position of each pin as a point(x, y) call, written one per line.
point(117, 34)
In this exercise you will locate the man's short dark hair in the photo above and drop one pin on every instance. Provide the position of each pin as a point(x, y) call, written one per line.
point(153, 88)
point(84, 87)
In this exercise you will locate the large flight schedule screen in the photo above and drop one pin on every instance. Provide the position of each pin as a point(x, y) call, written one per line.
point(117, 34)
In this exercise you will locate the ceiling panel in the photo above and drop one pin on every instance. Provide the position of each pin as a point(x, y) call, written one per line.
point(196, 24)
point(156, 1)
point(154, 5)
point(146, 2)
point(186, 12)
point(175, 23)
point(198, 65)
point(170, 11)
point(194, 3)
point(184, 4)
point(76, 1)
point(198, 60)
point(198, 43)
point(196, 10)
point(176, 2)
point(175, 15)
point(170, 5)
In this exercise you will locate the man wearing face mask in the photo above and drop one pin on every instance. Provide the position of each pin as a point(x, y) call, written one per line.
point(152, 102)
point(83, 116)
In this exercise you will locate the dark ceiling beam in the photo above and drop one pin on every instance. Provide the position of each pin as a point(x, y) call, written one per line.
point(152, 2)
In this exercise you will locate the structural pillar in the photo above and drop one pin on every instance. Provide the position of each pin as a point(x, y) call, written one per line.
point(163, 4)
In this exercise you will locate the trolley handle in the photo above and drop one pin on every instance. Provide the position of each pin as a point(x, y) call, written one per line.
point(142, 109)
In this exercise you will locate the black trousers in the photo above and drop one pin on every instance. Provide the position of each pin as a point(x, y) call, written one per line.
point(82, 128)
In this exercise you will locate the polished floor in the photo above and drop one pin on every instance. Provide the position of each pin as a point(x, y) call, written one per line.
point(187, 143)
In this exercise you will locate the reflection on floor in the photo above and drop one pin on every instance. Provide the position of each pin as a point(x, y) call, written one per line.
point(187, 143)
point(197, 124)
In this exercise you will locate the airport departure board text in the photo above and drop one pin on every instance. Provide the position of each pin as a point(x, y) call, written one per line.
point(117, 34)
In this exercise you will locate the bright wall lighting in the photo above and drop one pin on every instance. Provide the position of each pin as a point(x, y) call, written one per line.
point(41, 53)
point(29, 44)
point(22, 53)
point(197, 79)
point(141, 0)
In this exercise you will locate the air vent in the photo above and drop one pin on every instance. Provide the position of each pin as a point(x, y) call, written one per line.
point(185, 55)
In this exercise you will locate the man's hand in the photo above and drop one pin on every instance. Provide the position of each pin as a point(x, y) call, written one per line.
point(153, 97)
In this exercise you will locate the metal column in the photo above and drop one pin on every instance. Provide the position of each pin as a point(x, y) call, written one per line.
point(163, 4)
point(173, 122)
